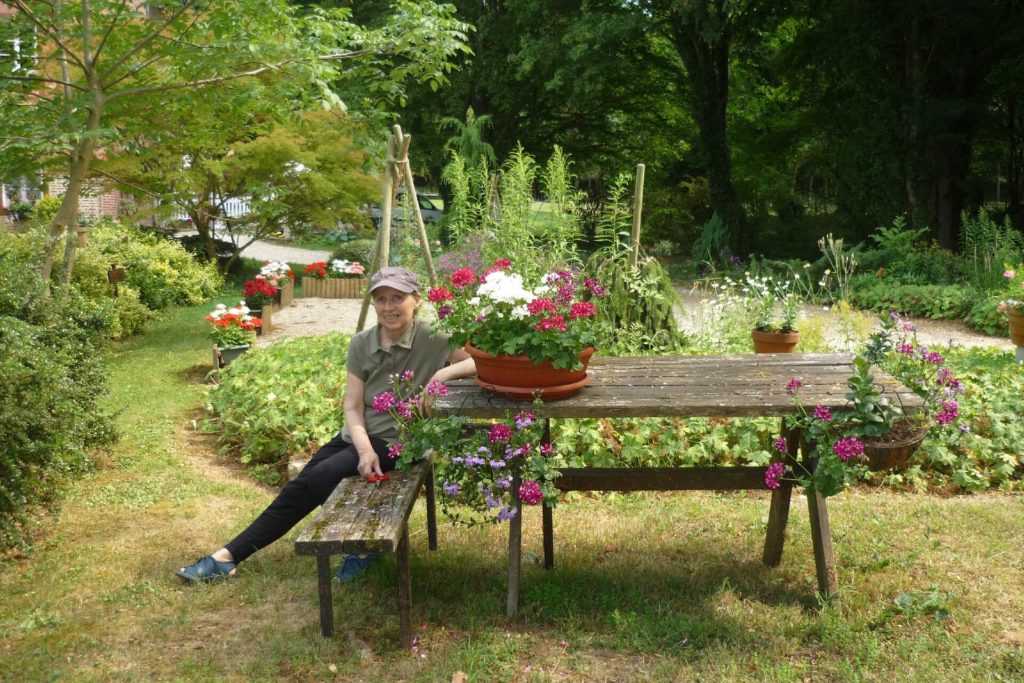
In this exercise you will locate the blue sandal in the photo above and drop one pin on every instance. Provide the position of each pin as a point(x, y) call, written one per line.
point(355, 566)
point(206, 570)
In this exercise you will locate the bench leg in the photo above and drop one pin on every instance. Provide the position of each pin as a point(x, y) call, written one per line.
point(428, 492)
point(515, 552)
point(821, 539)
point(404, 590)
point(323, 575)
point(778, 516)
point(547, 523)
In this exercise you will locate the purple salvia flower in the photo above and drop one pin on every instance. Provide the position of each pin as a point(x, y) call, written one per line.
point(822, 413)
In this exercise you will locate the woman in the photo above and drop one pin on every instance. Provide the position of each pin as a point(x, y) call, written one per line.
point(399, 342)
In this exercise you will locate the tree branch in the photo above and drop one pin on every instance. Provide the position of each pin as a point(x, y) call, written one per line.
point(50, 34)
point(106, 34)
point(39, 79)
point(187, 4)
point(215, 80)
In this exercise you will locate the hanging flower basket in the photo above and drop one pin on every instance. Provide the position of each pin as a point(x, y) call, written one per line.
point(895, 451)
point(1016, 318)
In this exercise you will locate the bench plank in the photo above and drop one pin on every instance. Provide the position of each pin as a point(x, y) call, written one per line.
point(363, 518)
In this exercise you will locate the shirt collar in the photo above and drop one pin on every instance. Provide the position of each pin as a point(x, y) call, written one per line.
point(405, 341)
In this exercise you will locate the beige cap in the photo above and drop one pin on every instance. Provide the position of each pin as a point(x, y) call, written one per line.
point(402, 279)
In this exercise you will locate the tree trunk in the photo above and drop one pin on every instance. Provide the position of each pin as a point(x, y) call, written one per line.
point(703, 46)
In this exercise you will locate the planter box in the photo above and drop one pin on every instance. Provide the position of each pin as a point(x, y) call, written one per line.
point(334, 287)
point(265, 315)
point(286, 294)
point(222, 357)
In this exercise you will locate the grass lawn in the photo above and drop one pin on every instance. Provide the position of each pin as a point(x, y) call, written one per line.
point(661, 587)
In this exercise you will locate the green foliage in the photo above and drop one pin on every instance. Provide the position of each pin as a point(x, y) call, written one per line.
point(713, 242)
point(984, 315)
point(53, 384)
point(280, 400)
point(905, 255)
point(46, 208)
point(162, 272)
point(920, 301)
point(355, 250)
point(987, 246)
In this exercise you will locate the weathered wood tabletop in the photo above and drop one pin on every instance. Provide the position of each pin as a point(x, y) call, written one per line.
point(687, 386)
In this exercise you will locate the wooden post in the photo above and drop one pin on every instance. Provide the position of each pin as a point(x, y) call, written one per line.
point(424, 240)
point(515, 551)
point(547, 516)
point(381, 249)
point(638, 209)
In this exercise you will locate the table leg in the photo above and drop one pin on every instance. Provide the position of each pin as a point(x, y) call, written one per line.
point(515, 551)
point(323, 575)
point(547, 521)
point(428, 489)
point(404, 590)
point(778, 516)
point(549, 536)
point(821, 539)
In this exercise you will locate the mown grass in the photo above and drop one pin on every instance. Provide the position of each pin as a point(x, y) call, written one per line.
point(646, 586)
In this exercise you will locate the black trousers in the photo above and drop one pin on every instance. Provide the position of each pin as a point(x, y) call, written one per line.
point(334, 461)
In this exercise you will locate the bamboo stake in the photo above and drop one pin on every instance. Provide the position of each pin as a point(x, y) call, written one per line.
point(381, 249)
point(638, 208)
point(424, 240)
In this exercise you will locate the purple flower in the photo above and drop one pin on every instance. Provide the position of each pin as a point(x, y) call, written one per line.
point(547, 449)
point(906, 349)
point(407, 376)
point(848, 448)
point(497, 464)
point(395, 450)
point(491, 502)
point(404, 409)
point(504, 483)
point(506, 513)
point(773, 475)
point(964, 428)
point(451, 488)
point(933, 357)
point(524, 419)
point(950, 411)
point(822, 413)
point(383, 401)
point(793, 385)
point(444, 311)
point(530, 492)
point(780, 445)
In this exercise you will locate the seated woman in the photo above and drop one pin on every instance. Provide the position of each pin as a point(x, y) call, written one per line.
point(399, 342)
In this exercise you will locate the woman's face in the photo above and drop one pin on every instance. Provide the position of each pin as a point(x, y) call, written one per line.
point(395, 310)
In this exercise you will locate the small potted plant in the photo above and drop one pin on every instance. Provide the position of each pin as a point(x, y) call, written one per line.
point(260, 295)
point(483, 471)
point(232, 331)
point(529, 334)
point(281, 276)
point(1014, 309)
point(774, 305)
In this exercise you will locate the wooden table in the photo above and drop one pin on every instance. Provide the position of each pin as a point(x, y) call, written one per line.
point(687, 386)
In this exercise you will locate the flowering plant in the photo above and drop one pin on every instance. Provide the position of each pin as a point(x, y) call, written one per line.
point(552, 318)
point(1006, 305)
point(482, 470)
point(340, 268)
point(277, 273)
point(232, 326)
point(833, 441)
point(773, 303)
point(258, 292)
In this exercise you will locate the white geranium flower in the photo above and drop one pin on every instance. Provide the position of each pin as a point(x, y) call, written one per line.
point(520, 312)
point(271, 397)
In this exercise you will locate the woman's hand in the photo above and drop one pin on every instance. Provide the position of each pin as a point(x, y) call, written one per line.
point(369, 464)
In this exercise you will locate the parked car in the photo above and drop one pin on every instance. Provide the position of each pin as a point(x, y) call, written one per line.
point(430, 208)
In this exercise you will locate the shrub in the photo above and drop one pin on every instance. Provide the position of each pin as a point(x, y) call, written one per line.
point(126, 313)
point(162, 272)
point(922, 301)
point(53, 381)
point(280, 400)
point(355, 250)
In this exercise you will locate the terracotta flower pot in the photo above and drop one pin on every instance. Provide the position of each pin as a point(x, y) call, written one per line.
point(1016, 326)
point(520, 379)
point(775, 342)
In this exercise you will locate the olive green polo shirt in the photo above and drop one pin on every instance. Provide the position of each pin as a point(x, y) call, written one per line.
point(419, 350)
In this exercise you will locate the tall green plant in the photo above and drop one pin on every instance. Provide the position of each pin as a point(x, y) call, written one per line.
point(842, 265)
point(986, 247)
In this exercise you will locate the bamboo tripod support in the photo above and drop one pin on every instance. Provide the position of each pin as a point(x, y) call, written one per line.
point(396, 172)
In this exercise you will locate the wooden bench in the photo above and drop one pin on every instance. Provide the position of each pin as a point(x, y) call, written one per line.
point(361, 518)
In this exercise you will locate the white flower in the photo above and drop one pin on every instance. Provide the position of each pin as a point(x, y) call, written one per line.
point(505, 288)
point(520, 312)
point(271, 397)
point(474, 301)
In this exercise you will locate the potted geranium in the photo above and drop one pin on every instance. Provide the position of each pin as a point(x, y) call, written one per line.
point(481, 470)
point(774, 304)
point(529, 335)
point(260, 295)
point(232, 331)
point(337, 279)
point(281, 276)
point(1014, 310)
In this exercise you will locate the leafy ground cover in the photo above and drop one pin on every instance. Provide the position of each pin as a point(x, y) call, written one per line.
point(646, 587)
